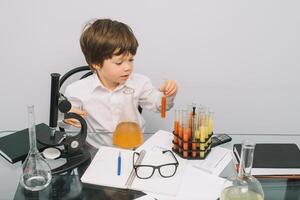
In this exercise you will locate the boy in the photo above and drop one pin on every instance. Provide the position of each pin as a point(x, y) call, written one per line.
point(109, 48)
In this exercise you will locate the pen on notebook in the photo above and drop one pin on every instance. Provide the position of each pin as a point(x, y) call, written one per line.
point(119, 163)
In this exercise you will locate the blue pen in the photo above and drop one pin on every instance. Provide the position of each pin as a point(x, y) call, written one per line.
point(119, 164)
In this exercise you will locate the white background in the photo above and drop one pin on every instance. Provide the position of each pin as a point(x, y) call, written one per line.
point(241, 58)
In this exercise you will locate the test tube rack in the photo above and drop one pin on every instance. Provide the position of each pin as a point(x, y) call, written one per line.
point(192, 149)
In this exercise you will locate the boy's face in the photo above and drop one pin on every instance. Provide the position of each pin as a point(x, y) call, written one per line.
point(115, 71)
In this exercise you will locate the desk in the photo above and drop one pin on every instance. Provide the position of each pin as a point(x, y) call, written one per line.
point(68, 186)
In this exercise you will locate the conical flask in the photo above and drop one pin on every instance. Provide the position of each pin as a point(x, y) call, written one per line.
point(128, 133)
point(36, 171)
point(243, 186)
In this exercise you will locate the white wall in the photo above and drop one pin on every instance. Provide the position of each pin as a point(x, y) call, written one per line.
point(239, 57)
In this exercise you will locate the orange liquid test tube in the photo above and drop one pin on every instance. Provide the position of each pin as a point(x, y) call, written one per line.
point(180, 130)
point(163, 106)
point(185, 142)
point(176, 130)
point(180, 134)
point(194, 147)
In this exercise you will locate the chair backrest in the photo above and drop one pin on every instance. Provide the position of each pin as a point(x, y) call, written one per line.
point(89, 72)
point(74, 71)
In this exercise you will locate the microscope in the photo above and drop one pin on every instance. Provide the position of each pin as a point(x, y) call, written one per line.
point(61, 144)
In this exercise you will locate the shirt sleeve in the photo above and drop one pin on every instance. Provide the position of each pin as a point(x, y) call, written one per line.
point(75, 101)
point(150, 97)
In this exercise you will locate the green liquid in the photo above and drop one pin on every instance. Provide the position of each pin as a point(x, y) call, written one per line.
point(240, 193)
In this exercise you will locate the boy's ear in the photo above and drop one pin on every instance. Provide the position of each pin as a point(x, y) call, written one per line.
point(96, 67)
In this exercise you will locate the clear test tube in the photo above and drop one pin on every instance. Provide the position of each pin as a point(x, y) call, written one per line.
point(186, 133)
point(210, 122)
point(201, 110)
point(194, 133)
point(190, 113)
point(176, 128)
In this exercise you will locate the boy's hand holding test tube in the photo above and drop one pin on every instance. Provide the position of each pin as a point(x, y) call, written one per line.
point(168, 88)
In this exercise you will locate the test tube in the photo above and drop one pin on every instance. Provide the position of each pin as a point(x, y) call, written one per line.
point(186, 133)
point(198, 125)
point(190, 109)
point(163, 106)
point(180, 130)
point(176, 128)
point(194, 127)
point(203, 130)
point(210, 122)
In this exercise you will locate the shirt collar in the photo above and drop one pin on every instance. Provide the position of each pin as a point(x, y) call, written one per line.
point(97, 83)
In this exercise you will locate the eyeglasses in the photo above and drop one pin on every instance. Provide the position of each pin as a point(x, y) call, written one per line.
point(146, 171)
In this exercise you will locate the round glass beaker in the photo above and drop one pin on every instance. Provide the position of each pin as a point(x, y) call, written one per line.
point(243, 186)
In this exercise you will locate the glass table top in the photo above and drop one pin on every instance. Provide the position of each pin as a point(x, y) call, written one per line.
point(69, 186)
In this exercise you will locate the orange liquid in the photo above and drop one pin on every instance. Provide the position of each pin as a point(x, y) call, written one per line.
point(185, 144)
point(180, 133)
point(194, 147)
point(128, 135)
point(176, 127)
point(163, 106)
point(176, 131)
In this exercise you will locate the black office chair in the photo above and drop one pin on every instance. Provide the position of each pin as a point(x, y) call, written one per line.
point(74, 71)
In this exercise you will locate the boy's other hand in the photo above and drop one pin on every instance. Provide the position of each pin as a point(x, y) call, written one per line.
point(169, 88)
point(75, 122)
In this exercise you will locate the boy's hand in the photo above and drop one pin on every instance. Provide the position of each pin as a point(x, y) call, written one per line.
point(169, 88)
point(75, 122)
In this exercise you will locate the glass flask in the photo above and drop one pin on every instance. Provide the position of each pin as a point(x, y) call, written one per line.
point(36, 171)
point(243, 186)
point(128, 133)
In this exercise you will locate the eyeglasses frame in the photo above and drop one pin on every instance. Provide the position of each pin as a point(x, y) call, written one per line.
point(155, 167)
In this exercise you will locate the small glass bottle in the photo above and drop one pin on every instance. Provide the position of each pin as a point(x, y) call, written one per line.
point(243, 186)
point(36, 171)
point(128, 133)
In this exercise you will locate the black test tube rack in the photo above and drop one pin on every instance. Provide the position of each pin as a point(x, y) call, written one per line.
point(192, 149)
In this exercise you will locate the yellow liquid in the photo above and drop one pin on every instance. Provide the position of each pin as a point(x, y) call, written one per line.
point(128, 135)
point(238, 193)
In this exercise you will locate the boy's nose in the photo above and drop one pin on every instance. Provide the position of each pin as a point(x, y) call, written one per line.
point(127, 66)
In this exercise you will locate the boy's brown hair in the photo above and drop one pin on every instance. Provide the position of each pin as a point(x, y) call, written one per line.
point(103, 38)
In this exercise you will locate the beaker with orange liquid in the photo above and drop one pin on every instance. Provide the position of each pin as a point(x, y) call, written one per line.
point(128, 133)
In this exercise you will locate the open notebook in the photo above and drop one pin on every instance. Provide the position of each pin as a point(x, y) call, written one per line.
point(103, 170)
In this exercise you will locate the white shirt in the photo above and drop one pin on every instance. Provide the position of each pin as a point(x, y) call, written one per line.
point(104, 106)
